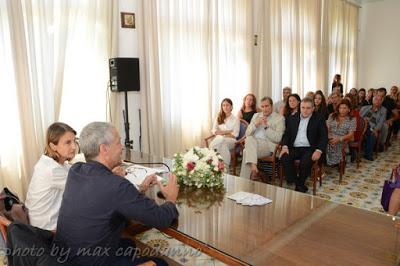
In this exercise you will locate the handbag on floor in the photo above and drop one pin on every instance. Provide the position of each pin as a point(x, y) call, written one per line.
point(388, 188)
point(12, 208)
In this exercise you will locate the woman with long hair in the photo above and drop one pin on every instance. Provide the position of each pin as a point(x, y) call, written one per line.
point(249, 108)
point(47, 184)
point(292, 105)
point(226, 129)
point(341, 127)
point(337, 84)
point(370, 95)
point(320, 104)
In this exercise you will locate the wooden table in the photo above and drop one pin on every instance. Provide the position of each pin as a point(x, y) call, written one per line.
point(295, 228)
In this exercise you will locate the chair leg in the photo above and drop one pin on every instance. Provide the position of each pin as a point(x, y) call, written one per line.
point(280, 174)
point(320, 174)
point(314, 178)
point(273, 173)
point(234, 164)
point(358, 160)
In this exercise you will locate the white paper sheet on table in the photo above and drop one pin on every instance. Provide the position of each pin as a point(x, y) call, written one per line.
point(137, 173)
point(249, 199)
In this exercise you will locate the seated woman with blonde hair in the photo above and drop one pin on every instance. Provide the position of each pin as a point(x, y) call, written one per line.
point(249, 108)
point(47, 184)
point(226, 128)
point(341, 127)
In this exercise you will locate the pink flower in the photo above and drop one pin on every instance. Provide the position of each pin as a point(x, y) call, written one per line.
point(221, 165)
point(190, 166)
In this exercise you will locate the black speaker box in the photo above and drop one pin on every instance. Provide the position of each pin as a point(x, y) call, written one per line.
point(124, 74)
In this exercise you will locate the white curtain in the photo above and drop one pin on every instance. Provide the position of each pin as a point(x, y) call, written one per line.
point(196, 53)
point(40, 42)
point(341, 41)
point(303, 43)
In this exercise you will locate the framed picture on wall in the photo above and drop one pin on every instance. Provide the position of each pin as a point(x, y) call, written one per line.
point(127, 20)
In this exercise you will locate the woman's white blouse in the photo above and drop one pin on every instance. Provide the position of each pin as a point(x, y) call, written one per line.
point(45, 192)
point(230, 123)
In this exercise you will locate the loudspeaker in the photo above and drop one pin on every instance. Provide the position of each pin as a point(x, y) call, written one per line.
point(124, 74)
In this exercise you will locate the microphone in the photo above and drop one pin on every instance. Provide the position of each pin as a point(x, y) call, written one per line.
point(155, 163)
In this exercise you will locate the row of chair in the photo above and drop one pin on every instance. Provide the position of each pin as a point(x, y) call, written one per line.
point(317, 171)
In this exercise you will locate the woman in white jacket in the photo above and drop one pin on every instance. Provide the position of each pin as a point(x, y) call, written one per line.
point(47, 184)
point(226, 128)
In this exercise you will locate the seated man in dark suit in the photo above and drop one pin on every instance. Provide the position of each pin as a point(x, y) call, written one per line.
point(97, 204)
point(305, 139)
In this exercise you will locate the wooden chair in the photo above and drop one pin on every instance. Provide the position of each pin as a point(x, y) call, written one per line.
point(357, 144)
point(275, 164)
point(239, 145)
point(317, 173)
point(342, 163)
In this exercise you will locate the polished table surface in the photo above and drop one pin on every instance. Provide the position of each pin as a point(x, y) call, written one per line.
point(295, 228)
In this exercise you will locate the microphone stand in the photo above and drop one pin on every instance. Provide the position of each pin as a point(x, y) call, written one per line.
point(128, 142)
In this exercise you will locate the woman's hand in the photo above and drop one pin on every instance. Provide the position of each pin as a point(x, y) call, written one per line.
point(335, 140)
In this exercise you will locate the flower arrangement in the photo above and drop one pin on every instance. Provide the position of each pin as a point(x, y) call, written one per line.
point(200, 167)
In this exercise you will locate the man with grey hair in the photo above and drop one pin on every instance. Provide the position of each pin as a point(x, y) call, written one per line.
point(262, 135)
point(375, 115)
point(278, 107)
point(97, 203)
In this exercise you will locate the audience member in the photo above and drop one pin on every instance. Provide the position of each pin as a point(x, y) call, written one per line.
point(341, 127)
point(46, 187)
point(226, 129)
point(97, 204)
point(262, 135)
point(337, 85)
point(393, 92)
point(375, 115)
point(292, 105)
point(320, 104)
point(305, 139)
point(353, 92)
point(396, 124)
point(391, 115)
point(310, 94)
point(279, 106)
point(370, 96)
point(394, 203)
point(355, 113)
point(362, 98)
point(249, 108)
point(334, 101)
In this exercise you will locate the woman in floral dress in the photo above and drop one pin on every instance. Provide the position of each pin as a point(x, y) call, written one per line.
point(341, 127)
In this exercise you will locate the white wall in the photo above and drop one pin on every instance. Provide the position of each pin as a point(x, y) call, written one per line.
point(128, 47)
point(379, 44)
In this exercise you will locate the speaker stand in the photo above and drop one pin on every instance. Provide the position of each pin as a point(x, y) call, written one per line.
point(128, 142)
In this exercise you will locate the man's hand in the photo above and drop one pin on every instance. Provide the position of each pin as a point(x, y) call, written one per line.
point(171, 189)
point(261, 121)
point(119, 170)
point(375, 132)
point(316, 155)
point(147, 182)
point(284, 150)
